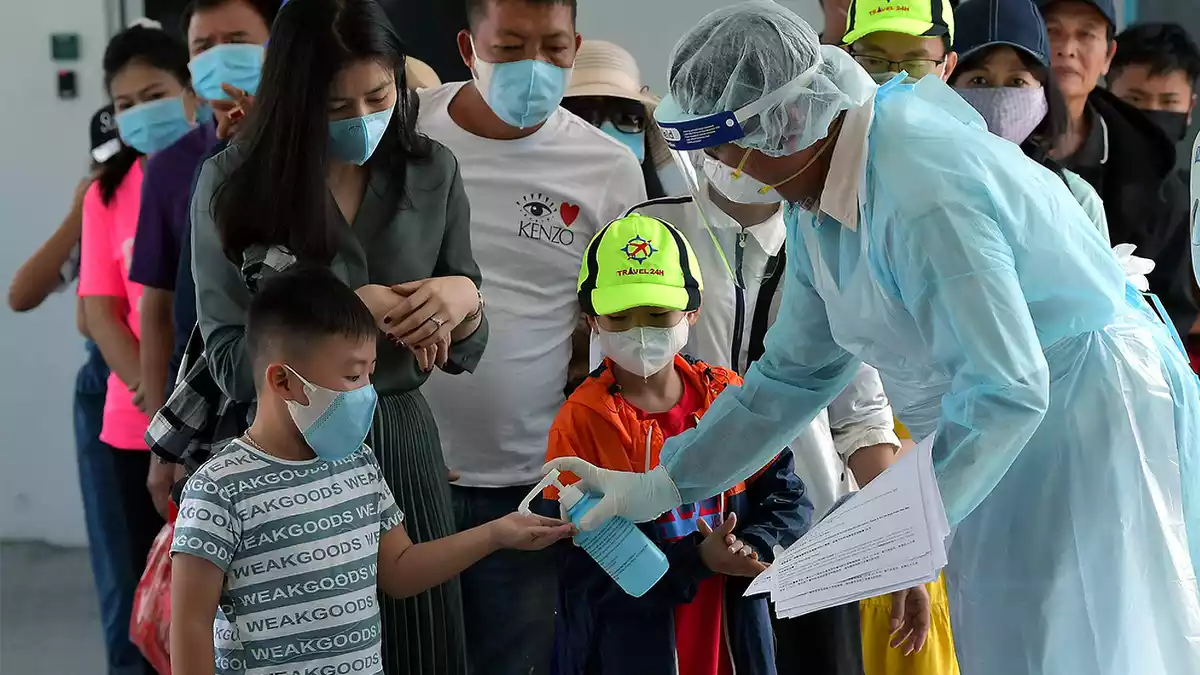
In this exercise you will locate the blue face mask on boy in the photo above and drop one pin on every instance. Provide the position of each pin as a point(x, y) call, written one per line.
point(354, 140)
point(522, 93)
point(154, 125)
point(634, 141)
point(238, 65)
point(334, 423)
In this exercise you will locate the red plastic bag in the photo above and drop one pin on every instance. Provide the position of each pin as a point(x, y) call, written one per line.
point(150, 625)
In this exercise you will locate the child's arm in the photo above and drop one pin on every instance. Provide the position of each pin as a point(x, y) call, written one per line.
point(780, 511)
point(406, 569)
point(195, 594)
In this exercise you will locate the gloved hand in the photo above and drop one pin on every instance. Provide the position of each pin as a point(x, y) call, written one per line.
point(1135, 268)
point(640, 497)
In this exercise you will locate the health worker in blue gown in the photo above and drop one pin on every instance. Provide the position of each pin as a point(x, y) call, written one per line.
point(1066, 419)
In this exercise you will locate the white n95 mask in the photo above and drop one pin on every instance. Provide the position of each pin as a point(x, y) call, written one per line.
point(738, 186)
point(645, 351)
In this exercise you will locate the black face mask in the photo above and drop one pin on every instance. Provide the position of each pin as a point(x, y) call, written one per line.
point(1173, 124)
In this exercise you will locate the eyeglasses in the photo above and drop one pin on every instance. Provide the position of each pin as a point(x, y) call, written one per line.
point(915, 67)
point(627, 116)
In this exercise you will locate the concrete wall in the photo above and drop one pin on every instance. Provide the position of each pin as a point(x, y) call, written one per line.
point(45, 153)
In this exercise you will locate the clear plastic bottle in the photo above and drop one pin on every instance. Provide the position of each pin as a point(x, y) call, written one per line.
point(618, 546)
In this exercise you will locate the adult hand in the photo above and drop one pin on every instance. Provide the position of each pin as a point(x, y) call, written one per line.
point(723, 553)
point(640, 497)
point(527, 532)
point(159, 482)
point(139, 397)
point(82, 188)
point(430, 310)
point(910, 619)
point(229, 112)
point(436, 355)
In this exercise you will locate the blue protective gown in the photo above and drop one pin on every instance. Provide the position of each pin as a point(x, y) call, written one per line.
point(1067, 420)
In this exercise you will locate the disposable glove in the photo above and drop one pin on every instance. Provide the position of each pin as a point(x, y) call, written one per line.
point(640, 497)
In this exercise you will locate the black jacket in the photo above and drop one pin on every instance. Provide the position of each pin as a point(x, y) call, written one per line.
point(1145, 200)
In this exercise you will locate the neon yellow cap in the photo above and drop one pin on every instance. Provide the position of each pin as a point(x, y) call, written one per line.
point(639, 261)
point(919, 18)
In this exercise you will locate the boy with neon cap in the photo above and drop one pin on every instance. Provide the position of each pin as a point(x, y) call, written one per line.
point(916, 37)
point(640, 287)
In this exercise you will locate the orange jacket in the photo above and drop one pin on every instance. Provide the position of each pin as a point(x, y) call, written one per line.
point(597, 425)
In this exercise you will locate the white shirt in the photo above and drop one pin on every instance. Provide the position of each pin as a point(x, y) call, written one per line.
point(859, 417)
point(536, 202)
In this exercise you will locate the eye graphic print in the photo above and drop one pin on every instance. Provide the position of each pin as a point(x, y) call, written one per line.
point(536, 206)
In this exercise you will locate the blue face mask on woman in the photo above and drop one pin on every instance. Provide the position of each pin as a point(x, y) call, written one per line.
point(334, 423)
point(154, 125)
point(238, 65)
point(634, 141)
point(354, 140)
point(522, 93)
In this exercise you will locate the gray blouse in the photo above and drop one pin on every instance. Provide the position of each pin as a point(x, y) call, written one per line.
point(392, 241)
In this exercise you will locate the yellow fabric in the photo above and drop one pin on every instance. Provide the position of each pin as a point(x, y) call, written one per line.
point(937, 658)
point(902, 432)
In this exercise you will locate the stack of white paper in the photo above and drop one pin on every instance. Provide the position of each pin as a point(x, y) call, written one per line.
point(889, 536)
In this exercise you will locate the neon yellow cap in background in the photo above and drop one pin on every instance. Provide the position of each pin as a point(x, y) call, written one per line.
point(919, 18)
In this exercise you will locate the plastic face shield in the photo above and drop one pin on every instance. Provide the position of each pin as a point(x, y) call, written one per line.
point(691, 138)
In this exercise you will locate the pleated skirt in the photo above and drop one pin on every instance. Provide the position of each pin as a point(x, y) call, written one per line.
point(422, 635)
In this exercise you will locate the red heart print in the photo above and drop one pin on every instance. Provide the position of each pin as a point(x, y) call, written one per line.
point(569, 213)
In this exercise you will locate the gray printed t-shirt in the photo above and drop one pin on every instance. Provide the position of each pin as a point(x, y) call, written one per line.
point(298, 542)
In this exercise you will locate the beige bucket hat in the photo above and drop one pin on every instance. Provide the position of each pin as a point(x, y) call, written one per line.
point(605, 69)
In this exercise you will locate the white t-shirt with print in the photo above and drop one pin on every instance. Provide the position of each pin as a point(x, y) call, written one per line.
point(536, 202)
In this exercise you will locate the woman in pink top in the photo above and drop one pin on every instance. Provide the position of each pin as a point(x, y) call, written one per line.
point(146, 72)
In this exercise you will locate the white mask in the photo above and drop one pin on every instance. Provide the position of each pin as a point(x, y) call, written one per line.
point(645, 351)
point(739, 187)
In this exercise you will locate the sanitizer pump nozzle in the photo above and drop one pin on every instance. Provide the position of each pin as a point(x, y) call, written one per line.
point(568, 495)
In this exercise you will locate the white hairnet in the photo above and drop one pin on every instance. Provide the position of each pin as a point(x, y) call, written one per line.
point(739, 54)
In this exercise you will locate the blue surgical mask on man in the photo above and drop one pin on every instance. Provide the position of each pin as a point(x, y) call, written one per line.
point(154, 125)
point(522, 93)
point(354, 140)
point(238, 65)
point(634, 141)
point(334, 423)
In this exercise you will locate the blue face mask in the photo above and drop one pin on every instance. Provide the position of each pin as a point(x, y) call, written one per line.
point(635, 142)
point(354, 140)
point(238, 65)
point(153, 126)
point(204, 114)
point(334, 423)
point(522, 93)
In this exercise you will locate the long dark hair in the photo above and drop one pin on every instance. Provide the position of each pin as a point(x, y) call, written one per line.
point(1053, 129)
point(277, 194)
point(154, 48)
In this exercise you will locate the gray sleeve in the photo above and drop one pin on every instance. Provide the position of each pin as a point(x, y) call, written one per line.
point(456, 259)
point(221, 296)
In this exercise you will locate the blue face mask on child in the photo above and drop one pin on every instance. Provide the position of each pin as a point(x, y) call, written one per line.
point(238, 65)
point(635, 141)
point(354, 140)
point(334, 423)
point(522, 93)
point(154, 125)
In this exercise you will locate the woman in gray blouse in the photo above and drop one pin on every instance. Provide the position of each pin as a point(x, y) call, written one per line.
point(328, 168)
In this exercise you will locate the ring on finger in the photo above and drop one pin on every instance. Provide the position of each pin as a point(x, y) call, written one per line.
point(437, 322)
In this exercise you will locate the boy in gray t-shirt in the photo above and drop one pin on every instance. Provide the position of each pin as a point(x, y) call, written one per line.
point(291, 529)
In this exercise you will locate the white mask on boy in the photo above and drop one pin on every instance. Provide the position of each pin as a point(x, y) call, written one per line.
point(644, 351)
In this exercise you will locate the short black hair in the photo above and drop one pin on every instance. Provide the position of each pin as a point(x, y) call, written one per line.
point(476, 9)
point(1164, 48)
point(267, 9)
point(297, 308)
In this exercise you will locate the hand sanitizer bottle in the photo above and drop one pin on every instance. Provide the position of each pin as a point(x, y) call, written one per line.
point(618, 546)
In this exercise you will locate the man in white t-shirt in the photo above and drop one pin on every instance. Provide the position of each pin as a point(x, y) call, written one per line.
point(541, 183)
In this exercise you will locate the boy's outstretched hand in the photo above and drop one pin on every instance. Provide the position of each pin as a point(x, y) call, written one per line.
point(725, 554)
point(528, 532)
